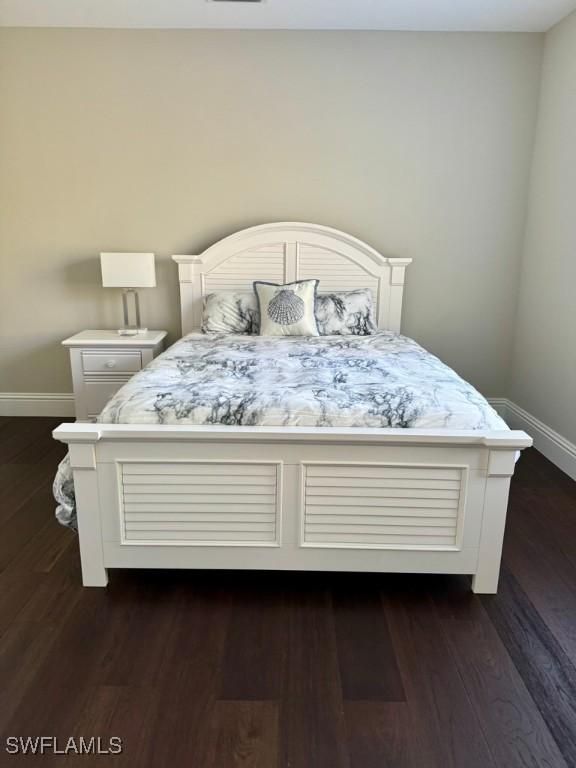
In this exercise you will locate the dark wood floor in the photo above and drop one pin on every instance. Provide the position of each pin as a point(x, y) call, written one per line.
point(302, 670)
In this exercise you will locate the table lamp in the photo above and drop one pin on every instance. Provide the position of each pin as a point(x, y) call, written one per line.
point(129, 271)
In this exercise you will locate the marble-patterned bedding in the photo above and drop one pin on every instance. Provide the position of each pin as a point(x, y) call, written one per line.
point(380, 380)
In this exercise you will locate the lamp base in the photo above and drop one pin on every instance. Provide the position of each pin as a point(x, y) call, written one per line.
point(131, 329)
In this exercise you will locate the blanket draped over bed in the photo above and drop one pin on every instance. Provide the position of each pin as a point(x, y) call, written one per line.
point(382, 380)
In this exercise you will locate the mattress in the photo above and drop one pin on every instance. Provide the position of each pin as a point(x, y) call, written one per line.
point(381, 380)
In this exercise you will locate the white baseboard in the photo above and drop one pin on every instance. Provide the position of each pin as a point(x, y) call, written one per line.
point(550, 443)
point(36, 404)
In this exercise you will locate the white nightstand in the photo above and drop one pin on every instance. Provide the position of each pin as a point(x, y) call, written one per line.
point(102, 361)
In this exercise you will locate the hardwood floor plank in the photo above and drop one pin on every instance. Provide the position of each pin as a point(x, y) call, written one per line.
point(21, 481)
point(23, 433)
point(546, 514)
point(43, 550)
point(156, 605)
point(184, 703)
point(547, 671)
point(255, 643)
point(95, 720)
point(23, 647)
point(132, 720)
point(312, 716)
point(546, 578)
point(88, 639)
point(17, 531)
point(367, 659)
point(56, 594)
point(42, 444)
point(445, 722)
point(381, 735)
point(453, 598)
point(15, 590)
point(51, 711)
point(244, 735)
point(543, 473)
point(511, 722)
point(548, 497)
point(13, 476)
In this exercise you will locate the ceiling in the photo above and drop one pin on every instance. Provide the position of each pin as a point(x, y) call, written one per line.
point(434, 15)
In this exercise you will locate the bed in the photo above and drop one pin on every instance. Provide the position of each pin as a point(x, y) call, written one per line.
point(356, 453)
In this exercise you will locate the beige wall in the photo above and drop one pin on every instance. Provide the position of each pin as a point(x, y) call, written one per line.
point(167, 140)
point(544, 369)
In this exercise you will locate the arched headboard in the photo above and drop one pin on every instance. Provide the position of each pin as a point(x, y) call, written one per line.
point(287, 251)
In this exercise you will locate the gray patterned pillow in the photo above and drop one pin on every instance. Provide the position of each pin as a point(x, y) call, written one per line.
point(230, 312)
point(348, 313)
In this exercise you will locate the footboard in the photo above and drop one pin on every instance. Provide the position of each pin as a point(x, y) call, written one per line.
point(428, 501)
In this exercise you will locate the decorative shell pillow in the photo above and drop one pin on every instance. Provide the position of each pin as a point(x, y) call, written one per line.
point(348, 313)
point(287, 310)
point(230, 312)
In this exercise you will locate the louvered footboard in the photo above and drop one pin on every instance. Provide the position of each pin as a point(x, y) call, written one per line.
point(294, 499)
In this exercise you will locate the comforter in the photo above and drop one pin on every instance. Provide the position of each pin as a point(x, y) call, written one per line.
point(381, 380)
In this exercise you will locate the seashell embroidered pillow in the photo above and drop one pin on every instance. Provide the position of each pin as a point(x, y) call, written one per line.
point(287, 310)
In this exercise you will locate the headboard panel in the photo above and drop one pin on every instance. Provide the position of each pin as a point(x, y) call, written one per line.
point(284, 252)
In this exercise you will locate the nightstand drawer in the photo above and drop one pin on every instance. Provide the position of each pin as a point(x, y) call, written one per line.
point(97, 393)
point(111, 362)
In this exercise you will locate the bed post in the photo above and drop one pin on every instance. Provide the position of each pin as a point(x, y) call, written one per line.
point(392, 294)
point(500, 470)
point(83, 463)
point(190, 293)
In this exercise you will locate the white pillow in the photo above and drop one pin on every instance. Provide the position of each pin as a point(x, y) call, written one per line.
point(230, 312)
point(347, 313)
point(287, 310)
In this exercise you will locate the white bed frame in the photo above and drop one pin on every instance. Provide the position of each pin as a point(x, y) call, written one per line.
point(402, 500)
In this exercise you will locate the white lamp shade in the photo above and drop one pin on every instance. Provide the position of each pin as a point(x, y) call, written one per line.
point(128, 270)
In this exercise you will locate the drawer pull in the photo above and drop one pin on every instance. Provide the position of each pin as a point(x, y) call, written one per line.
point(111, 364)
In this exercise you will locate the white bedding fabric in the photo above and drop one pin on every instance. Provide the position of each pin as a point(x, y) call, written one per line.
point(380, 380)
